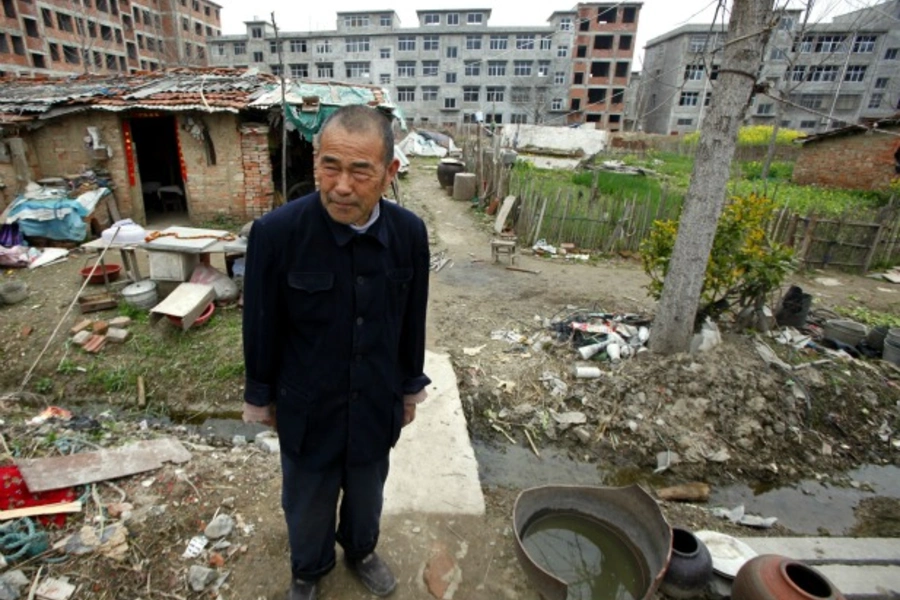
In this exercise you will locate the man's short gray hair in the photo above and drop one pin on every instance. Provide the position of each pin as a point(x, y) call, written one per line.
point(359, 118)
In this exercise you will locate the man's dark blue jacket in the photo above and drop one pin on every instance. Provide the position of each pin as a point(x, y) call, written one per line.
point(334, 328)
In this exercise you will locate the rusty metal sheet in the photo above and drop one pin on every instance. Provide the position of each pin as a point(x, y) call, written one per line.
point(42, 474)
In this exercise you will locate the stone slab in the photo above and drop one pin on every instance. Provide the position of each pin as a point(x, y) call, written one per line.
point(822, 550)
point(433, 466)
point(864, 582)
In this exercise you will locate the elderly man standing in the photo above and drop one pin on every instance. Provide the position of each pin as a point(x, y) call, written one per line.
point(334, 343)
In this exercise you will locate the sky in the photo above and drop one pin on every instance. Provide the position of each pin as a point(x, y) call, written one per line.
point(656, 18)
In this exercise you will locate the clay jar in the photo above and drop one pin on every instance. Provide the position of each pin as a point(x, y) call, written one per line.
point(773, 577)
point(690, 568)
point(447, 170)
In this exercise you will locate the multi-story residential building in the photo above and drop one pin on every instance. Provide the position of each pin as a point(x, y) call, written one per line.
point(451, 68)
point(603, 54)
point(819, 75)
point(60, 37)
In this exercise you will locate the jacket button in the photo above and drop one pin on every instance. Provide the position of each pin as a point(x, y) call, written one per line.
point(354, 395)
point(359, 320)
point(358, 357)
point(360, 279)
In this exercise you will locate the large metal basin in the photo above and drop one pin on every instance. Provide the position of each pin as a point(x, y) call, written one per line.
point(629, 510)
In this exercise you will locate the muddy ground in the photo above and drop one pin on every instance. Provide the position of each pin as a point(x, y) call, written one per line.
point(729, 416)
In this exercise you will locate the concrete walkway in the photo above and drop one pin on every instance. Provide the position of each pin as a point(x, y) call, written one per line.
point(433, 466)
point(859, 567)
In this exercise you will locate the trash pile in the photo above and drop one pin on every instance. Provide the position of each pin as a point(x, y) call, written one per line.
point(566, 250)
point(601, 336)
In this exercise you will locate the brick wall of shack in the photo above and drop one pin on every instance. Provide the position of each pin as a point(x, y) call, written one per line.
point(862, 161)
point(60, 149)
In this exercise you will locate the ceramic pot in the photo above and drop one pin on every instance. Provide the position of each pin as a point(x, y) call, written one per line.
point(447, 170)
point(690, 568)
point(774, 577)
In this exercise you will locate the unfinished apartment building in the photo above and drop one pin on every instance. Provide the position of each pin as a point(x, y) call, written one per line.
point(61, 37)
point(826, 75)
point(453, 66)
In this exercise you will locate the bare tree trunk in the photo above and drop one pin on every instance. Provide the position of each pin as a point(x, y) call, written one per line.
point(747, 35)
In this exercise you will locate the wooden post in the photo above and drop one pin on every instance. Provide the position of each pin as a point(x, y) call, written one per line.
point(594, 185)
point(24, 174)
point(803, 254)
point(877, 241)
point(562, 222)
point(540, 222)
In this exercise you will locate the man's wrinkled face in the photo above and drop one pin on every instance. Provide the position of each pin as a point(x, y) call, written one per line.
point(351, 173)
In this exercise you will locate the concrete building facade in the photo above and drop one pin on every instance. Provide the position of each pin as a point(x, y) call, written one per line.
point(60, 37)
point(828, 74)
point(453, 66)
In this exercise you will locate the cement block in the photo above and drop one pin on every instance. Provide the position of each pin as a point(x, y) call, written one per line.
point(117, 336)
point(120, 322)
point(268, 441)
point(81, 338)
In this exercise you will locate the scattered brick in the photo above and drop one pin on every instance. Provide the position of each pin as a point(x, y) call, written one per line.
point(120, 322)
point(81, 338)
point(95, 344)
point(117, 335)
point(80, 326)
point(26, 331)
point(100, 327)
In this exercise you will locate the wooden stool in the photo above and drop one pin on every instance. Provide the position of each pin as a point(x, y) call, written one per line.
point(505, 246)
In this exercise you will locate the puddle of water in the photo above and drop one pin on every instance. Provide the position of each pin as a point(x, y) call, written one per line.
point(812, 507)
point(517, 467)
point(593, 558)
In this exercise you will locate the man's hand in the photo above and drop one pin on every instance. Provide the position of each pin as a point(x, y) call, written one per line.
point(259, 414)
point(410, 401)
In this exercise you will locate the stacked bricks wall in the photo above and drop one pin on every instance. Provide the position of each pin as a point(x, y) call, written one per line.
point(858, 161)
point(213, 190)
point(259, 187)
point(60, 150)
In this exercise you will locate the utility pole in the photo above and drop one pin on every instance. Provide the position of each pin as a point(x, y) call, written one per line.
point(748, 33)
point(284, 115)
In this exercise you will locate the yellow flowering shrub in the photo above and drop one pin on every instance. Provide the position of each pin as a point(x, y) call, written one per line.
point(756, 135)
point(744, 264)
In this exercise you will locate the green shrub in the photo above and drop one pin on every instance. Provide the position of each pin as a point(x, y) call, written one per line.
point(777, 170)
point(756, 135)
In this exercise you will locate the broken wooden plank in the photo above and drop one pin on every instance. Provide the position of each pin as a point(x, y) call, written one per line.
point(187, 303)
point(42, 474)
point(521, 270)
point(39, 511)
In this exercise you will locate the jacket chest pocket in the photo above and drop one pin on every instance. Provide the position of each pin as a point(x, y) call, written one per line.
point(399, 282)
point(310, 297)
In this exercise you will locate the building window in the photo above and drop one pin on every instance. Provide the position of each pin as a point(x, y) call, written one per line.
point(600, 69)
point(406, 43)
point(562, 51)
point(357, 70)
point(384, 53)
point(54, 52)
point(606, 14)
point(273, 47)
point(814, 101)
point(875, 100)
point(47, 16)
point(864, 44)
point(323, 47)
point(581, 52)
point(31, 28)
point(685, 122)
point(239, 48)
point(453, 19)
point(544, 69)
point(697, 44)
point(384, 79)
point(354, 21)
point(556, 104)
point(891, 53)
point(565, 24)
point(495, 94)
point(473, 42)
point(603, 42)
point(449, 77)
point(596, 95)
point(255, 32)
point(625, 42)
point(298, 45)
point(823, 73)
point(579, 79)
point(356, 44)
point(9, 9)
point(797, 73)
point(432, 19)
point(496, 68)
point(431, 42)
point(499, 42)
point(450, 103)
point(64, 22)
point(471, 93)
point(452, 51)
point(406, 94)
point(522, 68)
point(473, 68)
point(830, 44)
point(386, 20)
point(516, 119)
point(693, 73)
point(881, 83)
point(430, 68)
point(622, 69)
point(325, 71)
point(257, 56)
point(629, 14)
point(811, 124)
point(618, 96)
point(406, 68)
point(71, 55)
point(708, 100)
point(300, 71)
point(493, 118)
point(575, 104)
point(524, 42)
point(475, 19)
point(429, 93)
point(520, 95)
point(132, 50)
point(276, 70)
point(778, 54)
point(855, 73)
point(18, 45)
point(689, 99)
point(765, 109)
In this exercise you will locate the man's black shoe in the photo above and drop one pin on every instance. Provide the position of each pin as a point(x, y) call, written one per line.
point(302, 590)
point(374, 574)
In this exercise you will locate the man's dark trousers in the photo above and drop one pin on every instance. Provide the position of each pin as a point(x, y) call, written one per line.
point(309, 499)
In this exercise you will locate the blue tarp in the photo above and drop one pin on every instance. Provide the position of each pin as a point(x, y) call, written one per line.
point(56, 218)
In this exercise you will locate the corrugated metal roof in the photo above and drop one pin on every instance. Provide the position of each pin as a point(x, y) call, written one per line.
point(851, 130)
